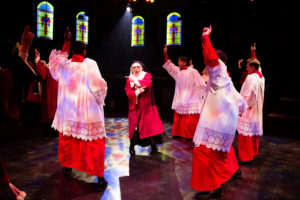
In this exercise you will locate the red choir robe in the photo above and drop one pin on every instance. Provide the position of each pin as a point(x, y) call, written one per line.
point(150, 123)
point(214, 160)
point(250, 124)
point(8, 99)
point(82, 131)
point(49, 92)
point(187, 100)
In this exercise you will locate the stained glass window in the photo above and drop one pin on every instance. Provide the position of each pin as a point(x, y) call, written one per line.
point(82, 27)
point(45, 15)
point(137, 33)
point(174, 25)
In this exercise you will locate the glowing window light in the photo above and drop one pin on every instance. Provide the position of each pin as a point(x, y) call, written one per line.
point(45, 15)
point(174, 29)
point(82, 27)
point(137, 32)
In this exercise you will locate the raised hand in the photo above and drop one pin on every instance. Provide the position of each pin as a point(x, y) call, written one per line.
point(239, 63)
point(165, 49)
point(26, 39)
point(37, 56)
point(207, 30)
point(253, 47)
point(68, 35)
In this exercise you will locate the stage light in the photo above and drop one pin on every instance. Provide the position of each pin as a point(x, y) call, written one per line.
point(128, 8)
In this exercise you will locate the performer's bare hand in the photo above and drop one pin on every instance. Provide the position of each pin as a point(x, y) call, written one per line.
point(37, 56)
point(207, 30)
point(239, 63)
point(68, 35)
point(142, 89)
point(165, 49)
point(27, 38)
point(253, 47)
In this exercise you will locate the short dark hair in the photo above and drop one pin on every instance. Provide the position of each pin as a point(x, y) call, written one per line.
point(78, 47)
point(254, 63)
point(184, 59)
point(222, 55)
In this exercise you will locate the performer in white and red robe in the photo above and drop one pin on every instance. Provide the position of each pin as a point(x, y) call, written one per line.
point(145, 125)
point(214, 160)
point(250, 125)
point(79, 116)
point(188, 96)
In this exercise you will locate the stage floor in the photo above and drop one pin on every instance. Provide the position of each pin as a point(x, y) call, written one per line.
point(33, 166)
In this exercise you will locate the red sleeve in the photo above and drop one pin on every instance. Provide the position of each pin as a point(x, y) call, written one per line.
point(41, 69)
point(66, 46)
point(209, 53)
point(166, 57)
point(131, 95)
point(243, 78)
point(147, 80)
point(253, 54)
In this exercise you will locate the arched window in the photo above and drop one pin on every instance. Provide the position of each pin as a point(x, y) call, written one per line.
point(174, 29)
point(45, 13)
point(82, 27)
point(137, 33)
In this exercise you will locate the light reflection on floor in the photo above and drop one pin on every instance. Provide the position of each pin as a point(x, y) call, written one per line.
point(117, 155)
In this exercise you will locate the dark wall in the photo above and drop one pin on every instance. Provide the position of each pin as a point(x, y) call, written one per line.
point(236, 25)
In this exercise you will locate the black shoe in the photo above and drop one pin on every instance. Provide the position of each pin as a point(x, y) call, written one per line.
point(249, 162)
point(217, 193)
point(67, 171)
point(153, 149)
point(131, 150)
point(237, 174)
point(102, 184)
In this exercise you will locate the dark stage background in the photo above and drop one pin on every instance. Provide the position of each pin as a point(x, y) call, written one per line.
point(236, 25)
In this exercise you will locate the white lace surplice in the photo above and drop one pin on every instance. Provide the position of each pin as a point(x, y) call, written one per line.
point(81, 94)
point(218, 119)
point(251, 122)
point(189, 89)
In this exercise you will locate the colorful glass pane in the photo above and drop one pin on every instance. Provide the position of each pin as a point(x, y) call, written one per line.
point(137, 33)
point(82, 27)
point(174, 25)
point(45, 15)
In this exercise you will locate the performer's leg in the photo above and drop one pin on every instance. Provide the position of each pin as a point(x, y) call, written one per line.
point(245, 148)
point(255, 145)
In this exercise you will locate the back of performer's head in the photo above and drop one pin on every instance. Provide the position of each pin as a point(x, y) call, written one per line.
point(78, 47)
point(222, 55)
point(253, 62)
point(183, 59)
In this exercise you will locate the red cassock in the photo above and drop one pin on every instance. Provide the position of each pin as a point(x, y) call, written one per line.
point(4, 179)
point(8, 100)
point(49, 93)
point(150, 123)
point(214, 159)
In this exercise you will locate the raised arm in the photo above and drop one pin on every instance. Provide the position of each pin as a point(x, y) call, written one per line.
point(253, 51)
point(209, 53)
point(169, 66)
point(57, 57)
point(67, 43)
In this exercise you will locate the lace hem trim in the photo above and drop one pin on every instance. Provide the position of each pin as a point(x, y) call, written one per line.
point(84, 131)
point(188, 110)
point(214, 139)
point(249, 128)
